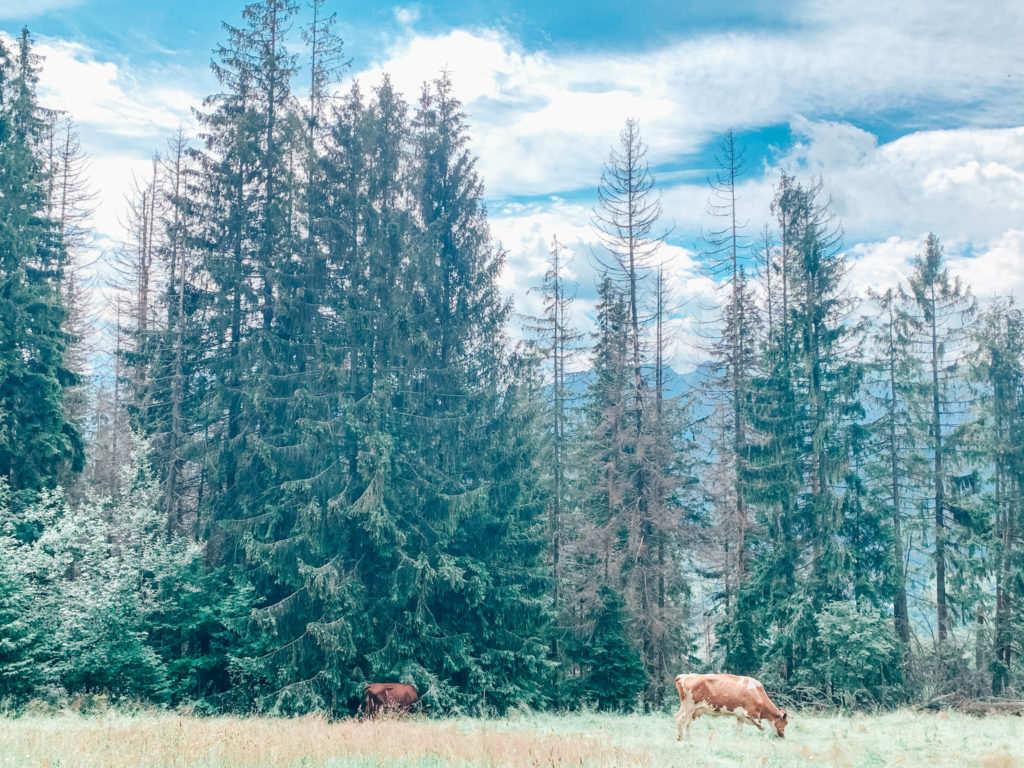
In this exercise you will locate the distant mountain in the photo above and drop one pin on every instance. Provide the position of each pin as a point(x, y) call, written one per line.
point(676, 383)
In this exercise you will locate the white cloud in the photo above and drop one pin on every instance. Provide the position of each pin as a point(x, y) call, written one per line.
point(109, 98)
point(882, 265)
point(407, 15)
point(994, 268)
point(26, 9)
point(544, 120)
point(965, 184)
point(998, 270)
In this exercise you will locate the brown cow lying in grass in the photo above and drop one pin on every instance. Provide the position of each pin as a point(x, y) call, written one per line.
point(742, 697)
point(389, 697)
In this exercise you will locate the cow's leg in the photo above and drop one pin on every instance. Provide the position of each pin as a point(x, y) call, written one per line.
point(742, 717)
point(680, 716)
point(685, 715)
point(741, 720)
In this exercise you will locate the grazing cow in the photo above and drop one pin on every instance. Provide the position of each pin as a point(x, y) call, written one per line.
point(389, 697)
point(742, 697)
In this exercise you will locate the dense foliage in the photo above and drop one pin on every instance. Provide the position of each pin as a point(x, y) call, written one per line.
point(318, 460)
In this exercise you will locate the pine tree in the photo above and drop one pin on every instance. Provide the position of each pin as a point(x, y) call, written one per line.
point(804, 463)
point(998, 367)
point(37, 441)
point(734, 355)
point(474, 562)
point(627, 218)
point(136, 284)
point(277, 369)
point(70, 204)
point(247, 196)
point(893, 373)
point(596, 552)
point(180, 376)
point(665, 593)
point(940, 310)
point(557, 342)
point(609, 403)
point(607, 669)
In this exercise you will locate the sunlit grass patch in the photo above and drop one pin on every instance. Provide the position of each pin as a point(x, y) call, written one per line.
point(910, 739)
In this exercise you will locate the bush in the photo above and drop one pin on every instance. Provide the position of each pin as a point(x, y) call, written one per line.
point(859, 659)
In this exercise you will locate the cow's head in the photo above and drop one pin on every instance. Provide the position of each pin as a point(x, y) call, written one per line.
point(780, 723)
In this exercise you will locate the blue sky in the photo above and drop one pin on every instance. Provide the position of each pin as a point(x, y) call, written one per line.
point(911, 113)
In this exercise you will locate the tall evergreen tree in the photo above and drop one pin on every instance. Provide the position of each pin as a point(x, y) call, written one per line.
point(734, 355)
point(897, 464)
point(70, 204)
point(627, 219)
point(276, 371)
point(37, 440)
point(940, 310)
point(803, 466)
point(665, 596)
point(998, 364)
point(595, 611)
point(558, 342)
point(476, 557)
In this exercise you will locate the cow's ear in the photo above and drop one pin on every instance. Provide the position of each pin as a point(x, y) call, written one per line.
point(785, 715)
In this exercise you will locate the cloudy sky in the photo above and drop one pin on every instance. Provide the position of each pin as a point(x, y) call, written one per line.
point(912, 113)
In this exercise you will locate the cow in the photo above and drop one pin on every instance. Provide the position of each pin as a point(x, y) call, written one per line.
point(742, 697)
point(389, 697)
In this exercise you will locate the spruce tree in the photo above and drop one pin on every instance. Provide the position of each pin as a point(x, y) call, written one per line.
point(998, 369)
point(734, 355)
point(734, 352)
point(890, 390)
point(804, 463)
point(472, 566)
point(557, 342)
point(37, 440)
point(70, 204)
point(595, 552)
point(627, 218)
point(940, 310)
point(277, 369)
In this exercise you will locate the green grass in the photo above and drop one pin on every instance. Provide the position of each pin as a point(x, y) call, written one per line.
point(911, 739)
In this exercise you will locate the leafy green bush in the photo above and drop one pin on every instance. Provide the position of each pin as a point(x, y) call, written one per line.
point(859, 658)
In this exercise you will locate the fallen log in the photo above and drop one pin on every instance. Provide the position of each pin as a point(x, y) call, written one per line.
point(958, 703)
point(990, 707)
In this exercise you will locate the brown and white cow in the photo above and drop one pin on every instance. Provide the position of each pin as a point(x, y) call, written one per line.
point(389, 697)
point(742, 697)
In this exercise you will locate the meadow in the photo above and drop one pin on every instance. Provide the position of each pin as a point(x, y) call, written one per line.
point(165, 739)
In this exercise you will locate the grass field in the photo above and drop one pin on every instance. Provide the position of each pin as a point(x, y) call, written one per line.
point(907, 739)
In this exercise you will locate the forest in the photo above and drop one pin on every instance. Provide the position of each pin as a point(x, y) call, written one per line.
point(326, 451)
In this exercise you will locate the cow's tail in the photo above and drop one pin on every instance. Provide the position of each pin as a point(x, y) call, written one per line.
point(679, 686)
point(366, 703)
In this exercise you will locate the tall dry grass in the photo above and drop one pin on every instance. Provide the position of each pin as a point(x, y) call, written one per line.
point(163, 740)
